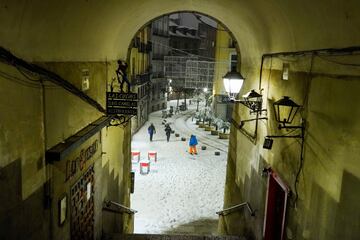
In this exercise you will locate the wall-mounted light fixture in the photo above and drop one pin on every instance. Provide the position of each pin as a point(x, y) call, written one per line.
point(253, 101)
point(285, 110)
point(233, 82)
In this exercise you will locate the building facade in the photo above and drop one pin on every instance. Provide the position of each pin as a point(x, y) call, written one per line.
point(192, 38)
point(225, 60)
point(140, 72)
point(160, 48)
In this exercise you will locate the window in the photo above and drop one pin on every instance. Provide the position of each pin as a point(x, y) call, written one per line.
point(233, 60)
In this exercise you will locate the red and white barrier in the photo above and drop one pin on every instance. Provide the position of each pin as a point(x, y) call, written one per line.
point(144, 167)
point(135, 156)
point(152, 156)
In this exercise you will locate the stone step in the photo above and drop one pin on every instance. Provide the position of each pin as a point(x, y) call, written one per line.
point(171, 237)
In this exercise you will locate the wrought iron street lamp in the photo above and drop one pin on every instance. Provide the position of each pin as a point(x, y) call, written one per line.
point(252, 100)
point(285, 110)
point(233, 82)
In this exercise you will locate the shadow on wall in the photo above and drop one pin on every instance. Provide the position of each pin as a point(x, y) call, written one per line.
point(21, 219)
point(111, 222)
point(343, 217)
point(231, 224)
point(255, 188)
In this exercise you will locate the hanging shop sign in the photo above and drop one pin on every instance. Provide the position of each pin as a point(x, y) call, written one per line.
point(120, 100)
point(121, 103)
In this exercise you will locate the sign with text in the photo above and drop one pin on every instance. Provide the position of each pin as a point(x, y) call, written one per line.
point(121, 103)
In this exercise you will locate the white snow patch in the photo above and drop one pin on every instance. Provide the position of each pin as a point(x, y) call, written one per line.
point(180, 188)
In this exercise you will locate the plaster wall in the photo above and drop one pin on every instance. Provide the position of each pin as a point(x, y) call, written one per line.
point(22, 162)
point(324, 205)
point(55, 115)
point(67, 114)
point(89, 31)
point(70, 32)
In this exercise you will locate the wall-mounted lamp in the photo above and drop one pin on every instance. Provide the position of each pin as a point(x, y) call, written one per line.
point(233, 82)
point(285, 110)
point(253, 101)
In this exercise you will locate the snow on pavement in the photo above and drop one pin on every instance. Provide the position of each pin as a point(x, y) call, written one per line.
point(180, 188)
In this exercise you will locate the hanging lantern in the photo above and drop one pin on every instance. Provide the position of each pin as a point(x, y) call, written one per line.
point(285, 110)
point(252, 100)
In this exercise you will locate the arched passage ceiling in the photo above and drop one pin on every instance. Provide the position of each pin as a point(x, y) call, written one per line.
point(94, 30)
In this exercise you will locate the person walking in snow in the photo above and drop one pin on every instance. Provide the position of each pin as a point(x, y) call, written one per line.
point(168, 132)
point(192, 144)
point(151, 131)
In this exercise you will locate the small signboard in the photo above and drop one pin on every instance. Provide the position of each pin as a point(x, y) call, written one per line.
point(121, 103)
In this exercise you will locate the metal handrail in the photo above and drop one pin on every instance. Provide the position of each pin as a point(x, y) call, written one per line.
point(234, 208)
point(119, 208)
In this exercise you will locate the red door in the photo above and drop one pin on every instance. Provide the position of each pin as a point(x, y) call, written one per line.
point(275, 210)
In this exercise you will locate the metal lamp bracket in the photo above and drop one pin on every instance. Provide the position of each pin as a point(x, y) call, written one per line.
point(250, 120)
point(301, 127)
point(120, 120)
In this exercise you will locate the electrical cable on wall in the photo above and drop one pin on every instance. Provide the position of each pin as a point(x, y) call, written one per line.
point(50, 76)
point(337, 62)
point(19, 81)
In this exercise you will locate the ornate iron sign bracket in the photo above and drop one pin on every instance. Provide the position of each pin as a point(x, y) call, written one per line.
point(121, 103)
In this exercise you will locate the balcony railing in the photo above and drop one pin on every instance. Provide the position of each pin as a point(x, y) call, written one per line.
point(158, 32)
point(158, 56)
point(157, 74)
point(140, 79)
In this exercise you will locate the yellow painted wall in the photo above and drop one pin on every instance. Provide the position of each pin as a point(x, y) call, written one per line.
point(21, 103)
point(327, 184)
point(67, 114)
point(222, 57)
point(25, 137)
point(67, 31)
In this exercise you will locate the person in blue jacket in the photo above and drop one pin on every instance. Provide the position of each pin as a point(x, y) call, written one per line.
point(151, 131)
point(192, 144)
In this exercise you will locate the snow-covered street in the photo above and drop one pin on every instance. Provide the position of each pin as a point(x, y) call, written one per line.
point(180, 188)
